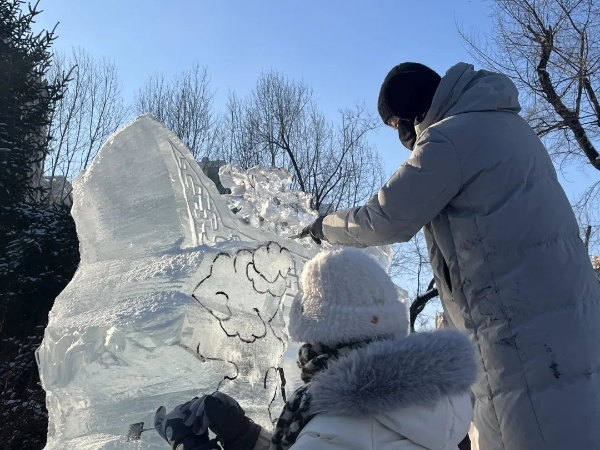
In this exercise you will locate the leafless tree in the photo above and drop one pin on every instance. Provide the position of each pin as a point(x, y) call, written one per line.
point(587, 208)
point(183, 104)
point(90, 111)
point(551, 49)
point(237, 135)
point(279, 124)
point(411, 267)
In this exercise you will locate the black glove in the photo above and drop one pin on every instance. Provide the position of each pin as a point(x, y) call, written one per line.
point(315, 231)
point(182, 429)
point(228, 421)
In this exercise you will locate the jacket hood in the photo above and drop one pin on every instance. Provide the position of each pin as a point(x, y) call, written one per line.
point(393, 374)
point(464, 89)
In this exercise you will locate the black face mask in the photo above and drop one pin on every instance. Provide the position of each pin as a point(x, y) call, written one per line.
point(407, 133)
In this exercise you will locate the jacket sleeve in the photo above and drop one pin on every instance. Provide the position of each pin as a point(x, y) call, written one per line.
point(418, 191)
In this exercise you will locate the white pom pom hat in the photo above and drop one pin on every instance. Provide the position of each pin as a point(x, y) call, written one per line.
point(346, 296)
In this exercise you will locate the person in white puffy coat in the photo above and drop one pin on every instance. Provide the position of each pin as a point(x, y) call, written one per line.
point(368, 384)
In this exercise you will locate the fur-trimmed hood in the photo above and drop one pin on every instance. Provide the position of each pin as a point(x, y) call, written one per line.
point(388, 375)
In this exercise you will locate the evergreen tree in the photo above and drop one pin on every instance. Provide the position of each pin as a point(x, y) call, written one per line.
point(26, 102)
point(38, 243)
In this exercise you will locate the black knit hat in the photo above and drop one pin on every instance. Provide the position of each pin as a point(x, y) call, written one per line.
point(407, 91)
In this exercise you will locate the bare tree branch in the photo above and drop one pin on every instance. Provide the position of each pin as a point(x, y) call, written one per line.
point(551, 49)
point(89, 112)
point(419, 303)
point(588, 235)
point(279, 124)
point(410, 265)
point(184, 104)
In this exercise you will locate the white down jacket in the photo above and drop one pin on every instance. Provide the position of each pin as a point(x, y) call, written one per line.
point(507, 257)
point(411, 393)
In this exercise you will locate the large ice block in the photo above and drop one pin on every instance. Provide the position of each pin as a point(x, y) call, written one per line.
point(175, 297)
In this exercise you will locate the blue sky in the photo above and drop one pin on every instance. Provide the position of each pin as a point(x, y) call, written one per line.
point(342, 49)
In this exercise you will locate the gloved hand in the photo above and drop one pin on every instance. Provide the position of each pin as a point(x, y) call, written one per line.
point(185, 428)
point(228, 421)
point(315, 231)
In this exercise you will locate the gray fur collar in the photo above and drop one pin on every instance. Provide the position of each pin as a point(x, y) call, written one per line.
point(391, 374)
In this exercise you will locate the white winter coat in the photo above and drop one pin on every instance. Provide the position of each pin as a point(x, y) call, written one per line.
point(508, 259)
point(407, 394)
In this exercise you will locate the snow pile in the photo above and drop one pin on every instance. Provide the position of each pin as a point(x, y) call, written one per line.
point(262, 193)
point(175, 297)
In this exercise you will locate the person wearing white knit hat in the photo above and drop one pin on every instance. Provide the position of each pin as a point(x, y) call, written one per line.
point(346, 297)
point(368, 383)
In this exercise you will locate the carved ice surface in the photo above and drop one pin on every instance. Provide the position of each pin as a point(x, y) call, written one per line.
point(262, 196)
point(175, 297)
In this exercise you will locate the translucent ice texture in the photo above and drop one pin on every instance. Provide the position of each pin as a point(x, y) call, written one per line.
point(175, 297)
point(262, 197)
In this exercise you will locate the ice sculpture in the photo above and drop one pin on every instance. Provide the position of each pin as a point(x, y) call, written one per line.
point(175, 297)
point(263, 198)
